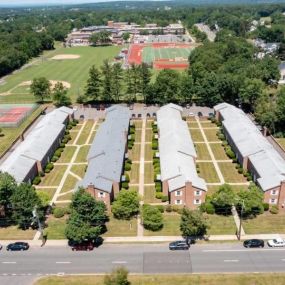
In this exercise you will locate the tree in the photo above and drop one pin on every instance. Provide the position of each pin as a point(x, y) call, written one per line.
point(152, 218)
point(145, 75)
point(118, 276)
point(92, 89)
point(107, 81)
point(117, 75)
point(126, 36)
point(59, 95)
point(223, 199)
point(126, 204)
point(102, 38)
point(40, 87)
point(193, 223)
point(8, 186)
point(24, 200)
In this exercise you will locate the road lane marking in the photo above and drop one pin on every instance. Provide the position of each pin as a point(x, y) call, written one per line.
point(283, 259)
point(242, 250)
point(119, 262)
point(63, 262)
point(231, 260)
point(9, 262)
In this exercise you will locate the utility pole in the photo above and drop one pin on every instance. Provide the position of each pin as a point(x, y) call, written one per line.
point(36, 216)
point(240, 220)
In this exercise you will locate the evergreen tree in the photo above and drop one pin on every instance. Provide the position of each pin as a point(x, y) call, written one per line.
point(92, 89)
point(117, 81)
point(107, 81)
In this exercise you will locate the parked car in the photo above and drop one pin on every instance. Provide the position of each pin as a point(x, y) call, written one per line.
point(16, 246)
point(179, 245)
point(85, 245)
point(278, 242)
point(253, 243)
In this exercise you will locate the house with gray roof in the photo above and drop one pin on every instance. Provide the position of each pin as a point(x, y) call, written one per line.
point(107, 155)
point(31, 155)
point(177, 153)
point(254, 152)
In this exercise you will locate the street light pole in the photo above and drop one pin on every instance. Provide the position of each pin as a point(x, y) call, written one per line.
point(240, 220)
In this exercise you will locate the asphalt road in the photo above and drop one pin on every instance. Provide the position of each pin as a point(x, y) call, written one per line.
point(140, 258)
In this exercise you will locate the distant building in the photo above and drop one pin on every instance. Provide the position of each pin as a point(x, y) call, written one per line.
point(254, 153)
point(107, 155)
point(179, 177)
point(282, 73)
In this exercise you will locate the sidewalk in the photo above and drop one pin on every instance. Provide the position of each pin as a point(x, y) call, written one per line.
point(149, 239)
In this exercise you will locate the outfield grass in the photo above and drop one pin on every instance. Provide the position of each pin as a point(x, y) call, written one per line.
point(134, 153)
point(10, 134)
point(211, 135)
point(82, 154)
point(175, 279)
point(119, 228)
point(230, 173)
point(148, 173)
point(67, 154)
point(171, 222)
point(79, 169)
point(149, 195)
point(74, 71)
point(202, 151)
point(14, 233)
point(135, 173)
point(208, 172)
point(54, 177)
point(56, 227)
point(218, 151)
point(221, 225)
point(148, 152)
point(266, 223)
point(85, 132)
point(69, 183)
point(196, 135)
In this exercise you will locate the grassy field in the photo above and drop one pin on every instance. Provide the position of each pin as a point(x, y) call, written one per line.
point(230, 173)
point(148, 152)
point(148, 173)
point(135, 173)
point(56, 227)
point(148, 135)
point(202, 151)
point(54, 177)
point(281, 142)
point(79, 169)
point(69, 184)
point(138, 135)
point(67, 154)
point(236, 188)
point(74, 71)
point(117, 227)
point(149, 195)
point(265, 224)
point(13, 233)
point(211, 134)
point(218, 151)
point(134, 153)
point(73, 136)
point(197, 279)
point(193, 124)
point(196, 135)
point(208, 172)
point(49, 191)
point(221, 225)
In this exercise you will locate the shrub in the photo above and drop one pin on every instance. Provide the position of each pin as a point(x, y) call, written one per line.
point(221, 136)
point(50, 166)
point(168, 208)
point(130, 144)
point(125, 185)
point(175, 208)
point(265, 206)
point(127, 177)
point(158, 187)
point(54, 158)
point(67, 132)
point(274, 210)
point(64, 140)
point(128, 161)
point(41, 174)
point(209, 208)
point(152, 218)
point(69, 127)
point(67, 137)
point(240, 170)
point(158, 195)
point(60, 149)
point(47, 170)
point(57, 153)
point(127, 167)
point(224, 143)
point(132, 130)
point(160, 208)
point(62, 145)
point(73, 123)
point(37, 180)
point(59, 212)
point(154, 145)
point(230, 153)
point(164, 199)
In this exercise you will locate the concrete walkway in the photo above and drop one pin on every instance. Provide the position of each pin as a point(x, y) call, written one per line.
point(220, 175)
point(237, 220)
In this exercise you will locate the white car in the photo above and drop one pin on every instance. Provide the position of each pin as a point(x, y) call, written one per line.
point(278, 242)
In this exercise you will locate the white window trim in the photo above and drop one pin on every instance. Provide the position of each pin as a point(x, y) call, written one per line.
point(101, 194)
point(178, 195)
point(198, 193)
point(195, 202)
point(274, 194)
point(176, 202)
point(273, 201)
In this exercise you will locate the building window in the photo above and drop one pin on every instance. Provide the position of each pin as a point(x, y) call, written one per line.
point(101, 194)
point(274, 192)
point(198, 193)
point(197, 202)
point(273, 201)
point(178, 202)
point(178, 193)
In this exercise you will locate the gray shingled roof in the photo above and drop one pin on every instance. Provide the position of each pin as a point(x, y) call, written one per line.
point(176, 149)
point(269, 165)
point(36, 145)
point(107, 153)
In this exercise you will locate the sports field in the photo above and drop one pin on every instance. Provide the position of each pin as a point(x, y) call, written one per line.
point(70, 65)
point(161, 55)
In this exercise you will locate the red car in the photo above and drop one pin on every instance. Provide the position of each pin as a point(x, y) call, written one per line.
point(83, 246)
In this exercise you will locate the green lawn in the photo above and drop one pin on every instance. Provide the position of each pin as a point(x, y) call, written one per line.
point(193, 124)
point(171, 223)
point(211, 135)
point(281, 142)
point(79, 169)
point(138, 124)
point(11, 134)
point(148, 135)
point(202, 151)
point(56, 227)
point(49, 191)
point(119, 228)
point(138, 136)
point(218, 151)
point(148, 152)
point(134, 153)
point(135, 173)
point(182, 279)
point(266, 223)
point(208, 172)
point(69, 184)
point(73, 137)
point(221, 225)
point(67, 154)
point(196, 135)
point(208, 124)
point(148, 173)
point(14, 233)
point(149, 195)
point(149, 123)
point(86, 132)
point(54, 177)
point(230, 173)
point(92, 137)
point(82, 154)
point(74, 71)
